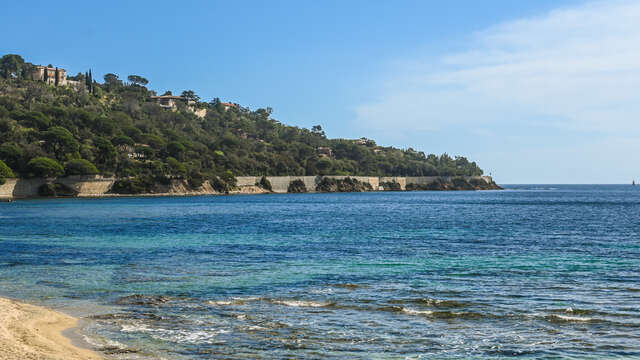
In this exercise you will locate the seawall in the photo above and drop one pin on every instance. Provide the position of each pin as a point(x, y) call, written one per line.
point(98, 186)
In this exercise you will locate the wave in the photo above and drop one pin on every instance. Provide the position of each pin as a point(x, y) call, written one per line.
point(301, 303)
point(437, 303)
point(416, 312)
point(178, 335)
point(566, 318)
point(235, 301)
point(445, 314)
point(285, 302)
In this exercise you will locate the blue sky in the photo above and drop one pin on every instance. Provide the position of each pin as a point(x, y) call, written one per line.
point(534, 91)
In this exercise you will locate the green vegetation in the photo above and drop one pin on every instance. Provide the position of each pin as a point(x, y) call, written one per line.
point(297, 186)
point(116, 129)
point(455, 183)
point(342, 185)
point(391, 186)
point(5, 172)
point(56, 189)
point(80, 167)
point(265, 184)
point(44, 167)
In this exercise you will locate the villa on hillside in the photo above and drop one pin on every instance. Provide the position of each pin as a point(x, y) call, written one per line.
point(54, 76)
point(228, 105)
point(170, 102)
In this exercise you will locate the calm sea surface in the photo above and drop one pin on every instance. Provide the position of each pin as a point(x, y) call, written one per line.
point(532, 272)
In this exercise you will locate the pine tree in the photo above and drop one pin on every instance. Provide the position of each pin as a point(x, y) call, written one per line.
point(90, 82)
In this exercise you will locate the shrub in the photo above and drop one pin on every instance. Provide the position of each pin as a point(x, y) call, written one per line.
point(47, 190)
point(11, 153)
point(80, 167)
point(229, 178)
point(342, 185)
point(137, 185)
point(218, 185)
point(391, 186)
point(122, 140)
point(5, 172)
point(44, 167)
point(176, 168)
point(196, 179)
point(297, 186)
point(461, 183)
point(265, 184)
point(56, 189)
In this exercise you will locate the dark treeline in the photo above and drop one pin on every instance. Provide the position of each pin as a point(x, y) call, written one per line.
point(114, 128)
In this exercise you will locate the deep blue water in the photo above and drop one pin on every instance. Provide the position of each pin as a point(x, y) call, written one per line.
point(530, 272)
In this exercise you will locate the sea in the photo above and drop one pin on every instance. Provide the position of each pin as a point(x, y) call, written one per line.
point(531, 272)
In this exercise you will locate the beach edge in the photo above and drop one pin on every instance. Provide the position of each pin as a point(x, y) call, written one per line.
point(28, 331)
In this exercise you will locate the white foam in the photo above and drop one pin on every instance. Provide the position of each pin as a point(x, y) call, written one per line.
point(234, 301)
point(416, 312)
point(573, 318)
point(220, 302)
point(179, 336)
point(300, 303)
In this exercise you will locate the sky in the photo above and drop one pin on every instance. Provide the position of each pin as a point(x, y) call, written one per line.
point(533, 91)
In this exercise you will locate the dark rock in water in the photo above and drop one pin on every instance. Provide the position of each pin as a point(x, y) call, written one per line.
point(138, 299)
point(114, 350)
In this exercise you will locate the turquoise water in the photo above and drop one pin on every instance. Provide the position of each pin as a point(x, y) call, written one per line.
point(530, 272)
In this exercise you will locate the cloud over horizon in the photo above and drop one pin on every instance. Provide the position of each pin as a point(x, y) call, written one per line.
point(572, 70)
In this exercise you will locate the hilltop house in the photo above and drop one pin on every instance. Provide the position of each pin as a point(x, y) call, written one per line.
point(228, 105)
point(170, 102)
point(54, 76)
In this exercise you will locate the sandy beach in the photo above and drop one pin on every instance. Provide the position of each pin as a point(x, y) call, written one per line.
point(32, 332)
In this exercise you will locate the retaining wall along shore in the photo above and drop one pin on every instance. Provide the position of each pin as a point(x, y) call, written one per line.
point(98, 186)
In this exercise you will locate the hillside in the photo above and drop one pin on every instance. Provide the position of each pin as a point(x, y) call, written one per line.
point(56, 126)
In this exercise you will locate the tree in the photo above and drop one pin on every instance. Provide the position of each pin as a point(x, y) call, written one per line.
point(11, 66)
point(5, 172)
point(190, 95)
point(137, 80)
point(11, 154)
point(175, 149)
point(122, 140)
point(44, 167)
point(317, 130)
point(88, 79)
point(112, 80)
point(105, 153)
point(60, 141)
point(80, 167)
point(176, 168)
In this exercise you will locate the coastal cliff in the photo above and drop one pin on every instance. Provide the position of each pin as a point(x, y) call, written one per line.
point(99, 186)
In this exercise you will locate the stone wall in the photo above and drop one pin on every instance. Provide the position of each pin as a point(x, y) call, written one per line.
point(280, 184)
point(85, 186)
point(98, 186)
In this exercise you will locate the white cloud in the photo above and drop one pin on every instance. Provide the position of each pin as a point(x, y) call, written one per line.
point(573, 68)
